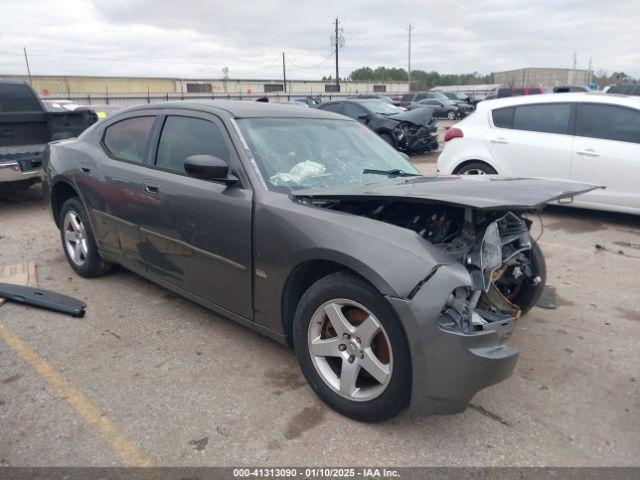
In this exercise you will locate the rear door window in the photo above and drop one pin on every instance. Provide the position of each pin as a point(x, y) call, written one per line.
point(609, 122)
point(548, 118)
point(183, 137)
point(127, 139)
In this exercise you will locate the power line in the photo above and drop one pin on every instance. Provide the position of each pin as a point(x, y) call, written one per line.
point(324, 60)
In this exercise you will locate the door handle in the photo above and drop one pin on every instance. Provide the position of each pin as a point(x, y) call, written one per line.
point(151, 187)
point(589, 152)
point(84, 168)
point(499, 140)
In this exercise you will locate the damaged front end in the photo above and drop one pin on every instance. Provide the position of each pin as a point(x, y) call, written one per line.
point(458, 317)
point(415, 138)
point(485, 272)
point(496, 250)
point(494, 246)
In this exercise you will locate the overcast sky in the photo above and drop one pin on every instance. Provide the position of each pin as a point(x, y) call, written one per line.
point(197, 38)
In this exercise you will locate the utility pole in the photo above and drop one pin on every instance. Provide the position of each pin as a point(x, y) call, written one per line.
point(337, 42)
point(409, 62)
point(589, 73)
point(284, 73)
point(575, 60)
point(26, 59)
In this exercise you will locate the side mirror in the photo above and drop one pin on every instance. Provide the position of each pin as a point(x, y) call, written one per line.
point(208, 167)
point(405, 156)
point(363, 117)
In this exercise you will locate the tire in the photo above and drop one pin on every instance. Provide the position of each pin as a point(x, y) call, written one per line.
point(528, 295)
point(78, 241)
point(387, 138)
point(451, 115)
point(372, 398)
point(476, 168)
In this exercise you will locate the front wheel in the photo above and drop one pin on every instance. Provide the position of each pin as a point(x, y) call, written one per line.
point(352, 349)
point(451, 115)
point(524, 281)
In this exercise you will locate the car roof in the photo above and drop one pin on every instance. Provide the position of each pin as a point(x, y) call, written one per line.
point(243, 109)
point(591, 97)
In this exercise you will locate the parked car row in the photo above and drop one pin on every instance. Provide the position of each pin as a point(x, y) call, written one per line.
point(584, 137)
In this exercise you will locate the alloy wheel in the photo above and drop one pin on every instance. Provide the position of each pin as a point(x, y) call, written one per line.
point(75, 238)
point(350, 350)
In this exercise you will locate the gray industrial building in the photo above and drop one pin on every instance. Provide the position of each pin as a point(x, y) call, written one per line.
point(542, 77)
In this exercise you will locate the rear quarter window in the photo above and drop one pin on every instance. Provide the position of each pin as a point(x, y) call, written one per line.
point(127, 139)
point(503, 117)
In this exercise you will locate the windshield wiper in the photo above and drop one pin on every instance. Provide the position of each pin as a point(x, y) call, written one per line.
point(394, 172)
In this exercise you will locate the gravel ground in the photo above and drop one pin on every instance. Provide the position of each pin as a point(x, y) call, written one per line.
point(150, 378)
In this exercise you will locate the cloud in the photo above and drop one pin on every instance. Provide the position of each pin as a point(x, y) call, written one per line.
point(200, 37)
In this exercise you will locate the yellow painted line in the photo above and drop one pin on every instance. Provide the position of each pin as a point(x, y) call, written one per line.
point(81, 404)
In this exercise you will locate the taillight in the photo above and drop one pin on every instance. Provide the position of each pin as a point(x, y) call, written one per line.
point(453, 133)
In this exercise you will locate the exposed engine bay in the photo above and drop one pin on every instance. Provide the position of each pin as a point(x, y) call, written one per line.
point(494, 245)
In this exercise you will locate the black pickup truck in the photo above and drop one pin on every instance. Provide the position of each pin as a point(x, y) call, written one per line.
point(25, 129)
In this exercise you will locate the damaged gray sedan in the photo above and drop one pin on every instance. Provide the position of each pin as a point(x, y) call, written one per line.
point(394, 289)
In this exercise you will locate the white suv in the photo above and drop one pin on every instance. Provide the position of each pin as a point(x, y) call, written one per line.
point(587, 137)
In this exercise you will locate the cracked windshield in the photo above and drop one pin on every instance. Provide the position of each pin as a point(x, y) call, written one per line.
point(295, 153)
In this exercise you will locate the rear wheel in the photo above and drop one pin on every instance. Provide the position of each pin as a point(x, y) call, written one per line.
point(451, 115)
point(352, 349)
point(476, 168)
point(78, 242)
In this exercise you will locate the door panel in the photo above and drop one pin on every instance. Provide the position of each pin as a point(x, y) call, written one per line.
point(111, 181)
point(197, 234)
point(615, 165)
point(535, 143)
point(607, 152)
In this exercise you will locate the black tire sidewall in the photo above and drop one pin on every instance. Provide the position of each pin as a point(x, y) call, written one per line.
point(397, 394)
point(94, 265)
point(485, 167)
point(530, 294)
point(388, 138)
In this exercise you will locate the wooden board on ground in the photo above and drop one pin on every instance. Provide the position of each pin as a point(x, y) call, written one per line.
point(19, 274)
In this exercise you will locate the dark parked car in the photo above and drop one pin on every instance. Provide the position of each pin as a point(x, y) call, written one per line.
point(515, 92)
point(625, 89)
point(407, 132)
point(440, 109)
point(569, 88)
point(25, 128)
point(369, 96)
point(393, 288)
point(460, 98)
point(442, 106)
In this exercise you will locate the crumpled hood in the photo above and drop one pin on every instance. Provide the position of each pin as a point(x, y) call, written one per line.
point(481, 192)
point(418, 116)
